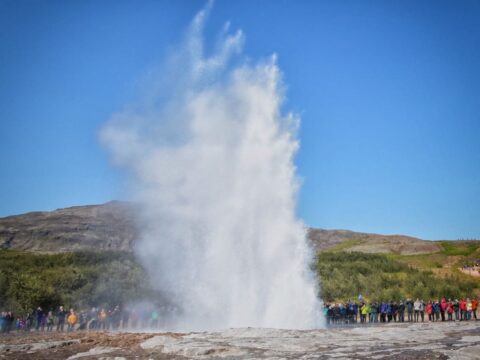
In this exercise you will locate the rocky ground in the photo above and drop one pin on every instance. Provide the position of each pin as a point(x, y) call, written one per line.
point(399, 341)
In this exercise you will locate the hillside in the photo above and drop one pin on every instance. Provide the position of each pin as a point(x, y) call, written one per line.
point(82, 255)
point(111, 226)
point(96, 227)
point(337, 240)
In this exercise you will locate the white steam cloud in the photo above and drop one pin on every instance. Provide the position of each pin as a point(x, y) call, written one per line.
point(211, 156)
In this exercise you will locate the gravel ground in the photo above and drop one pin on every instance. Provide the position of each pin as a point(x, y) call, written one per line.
point(458, 340)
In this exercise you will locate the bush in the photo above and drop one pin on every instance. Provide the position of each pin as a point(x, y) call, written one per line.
point(345, 275)
point(80, 279)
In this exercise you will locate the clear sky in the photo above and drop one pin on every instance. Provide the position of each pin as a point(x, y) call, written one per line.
point(388, 92)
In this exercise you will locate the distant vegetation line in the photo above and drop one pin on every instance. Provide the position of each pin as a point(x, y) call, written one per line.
point(82, 256)
point(84, 279)
point(80, 279)
point(379, 277)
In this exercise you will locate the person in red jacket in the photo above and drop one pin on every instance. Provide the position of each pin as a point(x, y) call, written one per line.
point(443, 308)
point(450, 310)
point(463, 309)
point(474, 308)
point(429, 311)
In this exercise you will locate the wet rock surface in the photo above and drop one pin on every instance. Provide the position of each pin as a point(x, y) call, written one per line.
point(399, 341)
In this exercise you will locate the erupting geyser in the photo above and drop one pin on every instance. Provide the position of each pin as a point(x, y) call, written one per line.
point(211, 157)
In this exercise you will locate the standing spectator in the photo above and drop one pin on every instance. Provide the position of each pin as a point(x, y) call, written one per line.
point(422, 310)
point(72, 320)
point(389, 312)
point(82, 320)
point(61, 315)
point(456, 309)
point(102, 319)
point(3, 322)
point(416, 307)
point(443, 308)
point(383, 312)
point(429, 310)
point(474, 308)
point(409, 305)
point(374, 313)
point(450, 310)
point(93, 319)
point(364, 312)
point(29, 321)
point(463, 309)
point(50, 321)
point(436, 310)
point(468, 309)
point(39, 317)
point(115, 317)
point(355, 312)
point(401, 311)
point(394, 306)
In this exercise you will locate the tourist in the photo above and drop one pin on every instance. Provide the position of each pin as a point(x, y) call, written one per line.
point(468, 307)
point(474, 308)
point(383, 312)
point(401, 312)
point(373, 313)
point(450, 310)
point(92, 319)
point(102, 319)
point(61, 315)
point(456, 309)
point(443, 308)
point(40, 324)
point(410, 306)
point(429, 311)
point(389, 311)
point(50, 321)
point(463, 309)
point(71, 320)
point(3, 322)
point(436, 310)
point(417, 306)
point(422, 310)
point(115, 317)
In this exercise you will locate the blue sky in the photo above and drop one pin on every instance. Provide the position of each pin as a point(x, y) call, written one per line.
point(388, 92)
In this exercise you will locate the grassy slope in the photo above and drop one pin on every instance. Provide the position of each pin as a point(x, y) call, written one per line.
point(84, 279)
point(346, 273)
point(79, 279)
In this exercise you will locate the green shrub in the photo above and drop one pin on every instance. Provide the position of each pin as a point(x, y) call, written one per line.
point(79, 279)
point(345, 275)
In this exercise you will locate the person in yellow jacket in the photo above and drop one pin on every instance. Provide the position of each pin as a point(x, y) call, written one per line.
point(365, 312)
point(469, 309)
point(102, 320)
point(72, 320)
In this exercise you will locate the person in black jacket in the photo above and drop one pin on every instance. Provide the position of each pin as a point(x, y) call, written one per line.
point(61, 315)
point(394, 306)
point(401, 312)
point(410, 307)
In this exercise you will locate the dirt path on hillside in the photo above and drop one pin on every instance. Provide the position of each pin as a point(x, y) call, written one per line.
point(471, 271)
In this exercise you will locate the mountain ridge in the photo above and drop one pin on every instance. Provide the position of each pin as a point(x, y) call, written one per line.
point(112, 226)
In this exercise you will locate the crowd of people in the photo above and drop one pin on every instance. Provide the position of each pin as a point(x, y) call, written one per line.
point(350, 312)
point(71, 320)
point(408, 310)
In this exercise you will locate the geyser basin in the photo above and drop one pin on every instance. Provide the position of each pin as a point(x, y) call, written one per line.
point(212, 160)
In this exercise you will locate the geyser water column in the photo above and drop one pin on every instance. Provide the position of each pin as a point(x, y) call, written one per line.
point(211, 157)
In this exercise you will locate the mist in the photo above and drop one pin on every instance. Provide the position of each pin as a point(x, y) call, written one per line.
point(210, 153)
